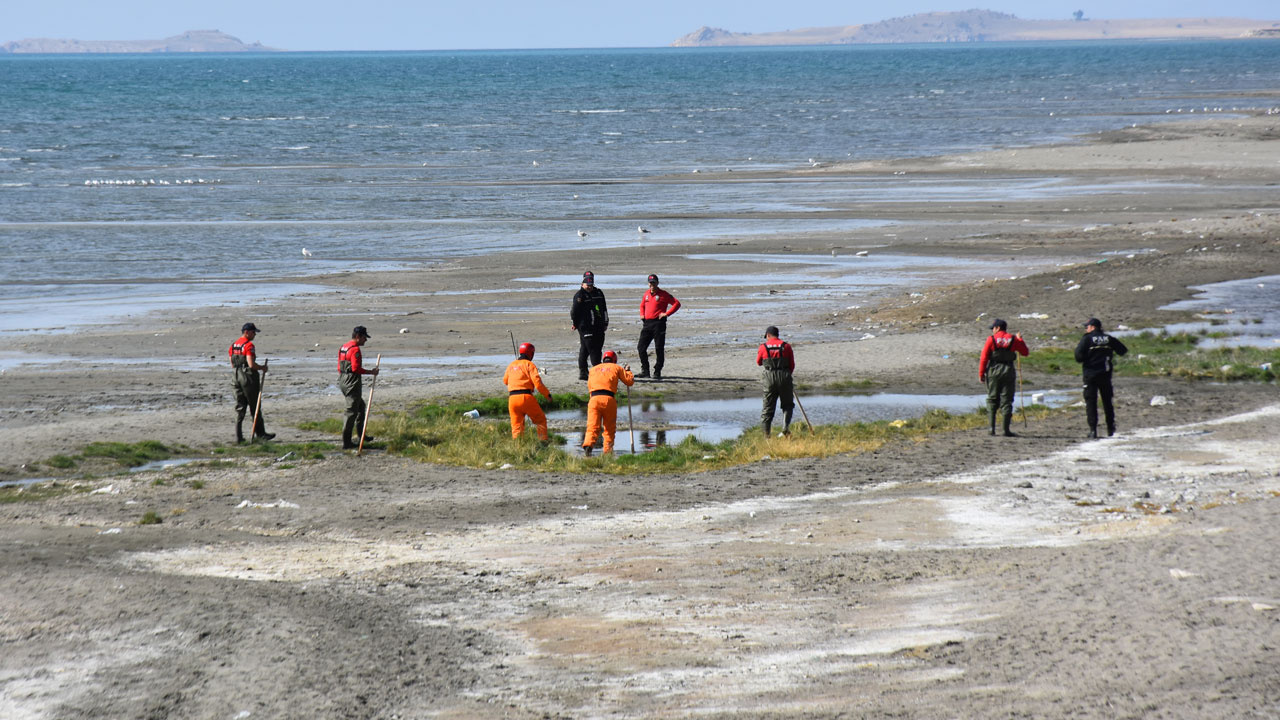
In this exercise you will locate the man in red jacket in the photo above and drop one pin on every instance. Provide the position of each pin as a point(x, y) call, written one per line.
point(351, 371)
point(248, 383)
point(778, 360)
point(996, 369)
point(655, 307)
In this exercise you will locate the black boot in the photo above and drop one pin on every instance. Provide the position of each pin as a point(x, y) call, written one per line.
point(346, 434)
point(768, 428)
point(1093, 433)
point(586, 451)
point(1111, 429)
point(993, 422)
point(1008, 418)
point(240, 431)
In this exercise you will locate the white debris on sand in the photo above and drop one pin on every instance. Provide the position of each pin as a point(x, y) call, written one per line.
point(1158, 400)
point(276, 504)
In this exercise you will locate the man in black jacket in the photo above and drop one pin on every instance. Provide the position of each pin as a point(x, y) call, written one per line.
point(1095, 354)
point(590, 317)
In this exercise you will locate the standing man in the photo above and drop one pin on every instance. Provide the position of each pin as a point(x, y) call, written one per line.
point(590, 317)
point(248, 383)
point(1094, 353)
point(351, 381)
point(655, 307)
point(996, 369)
point(603, 406)
point(779, 362)
point(521, 379)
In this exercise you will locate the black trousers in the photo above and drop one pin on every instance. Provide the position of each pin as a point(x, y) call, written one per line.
point(590, 346)
point(654, 331)
point(1094, 386)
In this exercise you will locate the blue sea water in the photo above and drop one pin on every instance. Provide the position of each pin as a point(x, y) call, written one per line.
point(385, 159)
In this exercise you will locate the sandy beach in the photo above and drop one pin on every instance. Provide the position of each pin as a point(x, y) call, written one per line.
point(960, 576)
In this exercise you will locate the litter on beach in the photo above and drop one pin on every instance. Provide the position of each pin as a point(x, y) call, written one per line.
point(1158, 400)
point(1177, 574)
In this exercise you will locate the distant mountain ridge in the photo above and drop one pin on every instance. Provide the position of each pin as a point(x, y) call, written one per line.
point(191, 41)
point(988, 26)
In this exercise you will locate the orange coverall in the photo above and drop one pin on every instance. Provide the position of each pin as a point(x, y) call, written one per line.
point(602, 382)
point(521, 379)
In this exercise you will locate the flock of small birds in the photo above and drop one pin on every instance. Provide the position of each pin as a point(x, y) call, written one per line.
point(150, 181)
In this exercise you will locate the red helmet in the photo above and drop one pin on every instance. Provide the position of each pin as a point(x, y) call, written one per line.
point(526, 351)
point(609, 356)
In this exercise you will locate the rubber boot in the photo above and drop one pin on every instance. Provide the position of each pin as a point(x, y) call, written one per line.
point(786, 430)
point(346, 434)
point(993, 421)
point(768, 428)
point(586, 451)
point(240, 431)
point(1008, 419)
point(1093, 433)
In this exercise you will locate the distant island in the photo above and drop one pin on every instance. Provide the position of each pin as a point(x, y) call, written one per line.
point(192, 41)
point(988, 26)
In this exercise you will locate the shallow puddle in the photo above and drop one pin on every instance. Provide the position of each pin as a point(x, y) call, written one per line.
point(164, 464)
point(663, 422)
point(1247, 310)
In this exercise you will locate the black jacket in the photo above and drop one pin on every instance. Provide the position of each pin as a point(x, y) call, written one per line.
point(589, 313)
point(1095, 350)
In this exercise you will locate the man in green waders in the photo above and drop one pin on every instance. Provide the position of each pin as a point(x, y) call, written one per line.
point(996, 368)
point(778, 361)
point(248, 383)
point(351, 372)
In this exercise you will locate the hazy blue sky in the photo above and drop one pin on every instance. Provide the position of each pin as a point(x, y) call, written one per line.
point(419, 25)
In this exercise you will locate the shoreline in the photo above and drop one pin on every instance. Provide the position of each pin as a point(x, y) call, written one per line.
point(1043, 575)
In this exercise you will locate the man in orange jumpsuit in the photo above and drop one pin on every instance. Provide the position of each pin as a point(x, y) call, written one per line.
point(602, 382)
point(521, 379)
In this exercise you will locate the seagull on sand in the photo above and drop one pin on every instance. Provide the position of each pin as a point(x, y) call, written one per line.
point(306, 252)
point(582, 234)
point(642, 230)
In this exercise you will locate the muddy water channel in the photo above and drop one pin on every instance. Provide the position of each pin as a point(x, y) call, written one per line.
point(665, 422)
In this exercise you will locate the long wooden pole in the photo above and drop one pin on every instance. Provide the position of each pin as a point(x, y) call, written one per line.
point(796, 395)
point(513, 344)
point(630, 423)
point(257, 407)
point(364, 427)
point(1021, 397)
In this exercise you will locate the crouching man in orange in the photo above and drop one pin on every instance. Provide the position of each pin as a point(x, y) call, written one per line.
point(602, 382)
point(521, 379)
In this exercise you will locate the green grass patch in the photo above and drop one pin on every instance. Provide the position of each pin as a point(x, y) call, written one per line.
point(1169, 355)
point(61, 462)
point(848, 385)
point(36, 492)
point(453, 440)
point(132, 454)
point(494, 406)
point(328, 425)
point(150, 517)
point(313, 450)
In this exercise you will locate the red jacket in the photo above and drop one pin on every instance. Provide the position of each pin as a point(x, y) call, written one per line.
point(999, 345)
point(775, 348)
point(350, 356)
point(654, 304)
point(243, 348)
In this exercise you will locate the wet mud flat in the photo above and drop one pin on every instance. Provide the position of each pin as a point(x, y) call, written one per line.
point(1041, 575)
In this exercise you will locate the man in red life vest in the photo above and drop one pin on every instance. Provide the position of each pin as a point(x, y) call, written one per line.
point(996, 369)
point(350, 379)
point(602, 409)
point(656, 305)
point(779, 362)
point(521, 379)
point(248, 383)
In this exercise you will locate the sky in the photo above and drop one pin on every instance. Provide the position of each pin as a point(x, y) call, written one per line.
point(468, 24)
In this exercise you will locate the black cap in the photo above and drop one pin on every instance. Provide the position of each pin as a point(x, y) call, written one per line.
point(1094, 322)
point(589, 277)
point(249, 326)
point(360, 330)
point(998, 323)
point(653, 279)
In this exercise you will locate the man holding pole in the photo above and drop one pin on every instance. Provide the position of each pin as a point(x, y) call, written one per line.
point(248, 383)
point(350, 380)
point(602, 409)
point(996, 369)
point(522, 379)
point(778, 361)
